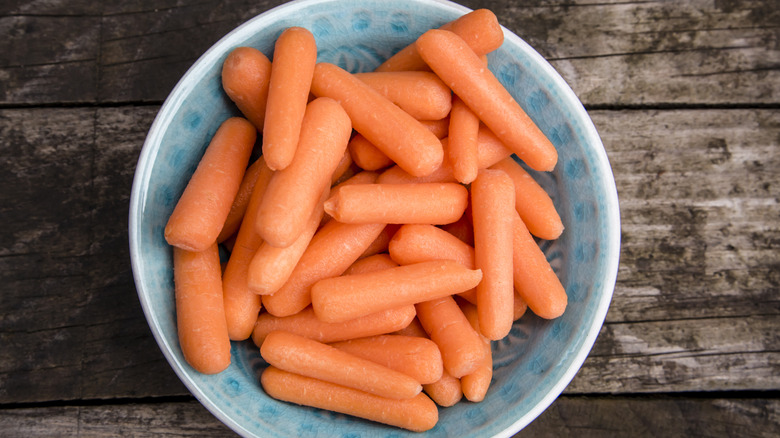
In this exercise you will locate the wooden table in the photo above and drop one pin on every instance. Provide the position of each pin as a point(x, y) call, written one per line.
point(686, 96)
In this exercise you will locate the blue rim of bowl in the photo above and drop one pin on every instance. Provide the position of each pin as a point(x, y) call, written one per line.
point(198, 70)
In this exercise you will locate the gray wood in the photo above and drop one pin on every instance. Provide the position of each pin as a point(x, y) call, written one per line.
point(695, 306)
point(566, 417)
point(653, 53)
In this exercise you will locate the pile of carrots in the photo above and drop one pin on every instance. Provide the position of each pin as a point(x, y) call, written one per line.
point(385, 236)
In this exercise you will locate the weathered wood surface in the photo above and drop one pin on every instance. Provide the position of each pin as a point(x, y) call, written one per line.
point(696, 304)
point(653, 53)
point(576, 417)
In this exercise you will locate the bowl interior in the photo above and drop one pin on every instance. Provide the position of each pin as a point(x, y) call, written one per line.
point(532, 365)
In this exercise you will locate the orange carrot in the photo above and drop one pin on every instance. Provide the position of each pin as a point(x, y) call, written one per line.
point(447, 390)
point(271, 266)
point(534, 279)
point(200, 316)
point(462, 147)
point(461, 347)
point(245, 76)
point(479, 28)
point(343, 298)
point(414, 356)
point(241, 304)
point(490, 150)
point(344, 170)
point(366, 155)
point(476, 384)
point(532, 202)
point(237, 210)
point(307, 357)
point(305, 323)
point(433, 203)
point(202, 209)
point(460, 68)
point(420, 93)
point(416, 414)
point(364, 177)
point(372, 263)
point(439, 128)
point(493, 211)
point(295, 54)
point(415, 243)
point(402, 138)
point(382, 241)
point(520, 307)
point(462, 228)
point(293, 192)
point(331, 251)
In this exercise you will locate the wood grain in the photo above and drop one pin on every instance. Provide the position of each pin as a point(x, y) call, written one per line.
point(580, 417)
point(654, 53)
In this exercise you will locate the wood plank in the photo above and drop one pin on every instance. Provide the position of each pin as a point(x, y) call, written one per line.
point(70, 322)
point(580, 417)
point(740, 353)
point(697, 286)
point(654, 53)
point(699, 197)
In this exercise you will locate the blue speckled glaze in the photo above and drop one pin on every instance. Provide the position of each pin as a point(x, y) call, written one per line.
point(532, 365)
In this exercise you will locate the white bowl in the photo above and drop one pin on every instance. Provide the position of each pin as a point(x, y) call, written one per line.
point(532, 365)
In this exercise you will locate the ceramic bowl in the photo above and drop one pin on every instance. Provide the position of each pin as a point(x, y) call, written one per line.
point(532, 365)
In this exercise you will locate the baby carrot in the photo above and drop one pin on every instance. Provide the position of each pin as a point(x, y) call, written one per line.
point(366, 155)
point(479, 28)
point(344, 170)
point(520, 307)
point(432, 203)
point(399, 135)
point(200, 316)
point(439, 128)
point(490, 150)
point(297, 354)
point(372, 263)
point(534, 279)
point(245, 76)
point(532, 202)
point(417, 414)
point(447, 390)
point(305, 323)
point(343, 298)
point(364, 177)
point(382, 241)
point(476, 384)
point(415, 243)
point(271, 266)
point(414, 356)
point(493, 211)
point(331, 251)
point(462, 228)
point(420, 93)
point(295, 55)
point(462, 147)
point(237, 210)
point(460, 68)
point(202, 209)
point(293, 192)
point(461, 347)
point(241, 304)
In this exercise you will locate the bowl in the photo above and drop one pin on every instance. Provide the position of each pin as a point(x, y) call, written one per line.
point(532, 365)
